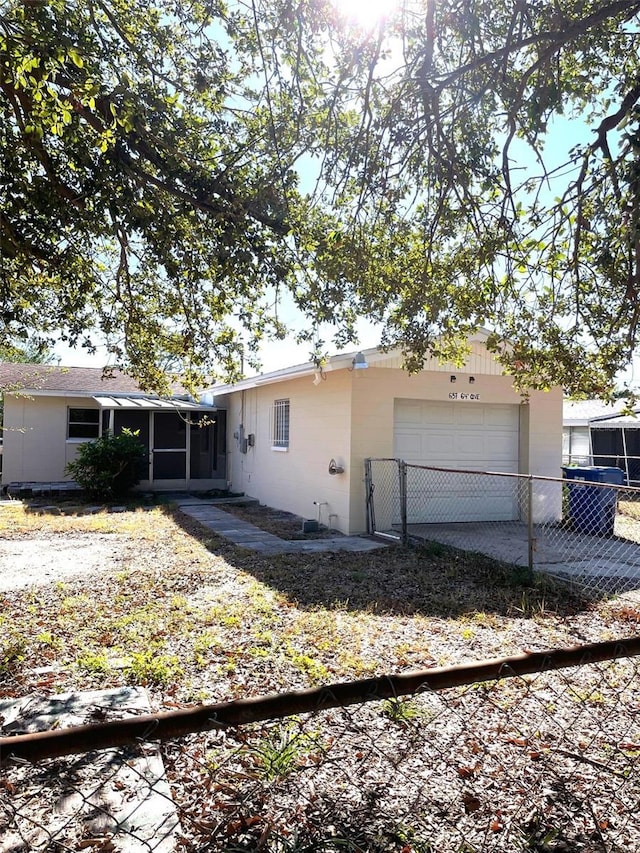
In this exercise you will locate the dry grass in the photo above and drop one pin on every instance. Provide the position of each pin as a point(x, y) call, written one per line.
point(17, 520)
point(233, 618)
point(196, 619)
point(286, 525)
point(629, 508)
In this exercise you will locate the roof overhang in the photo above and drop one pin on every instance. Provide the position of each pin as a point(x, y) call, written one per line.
point(624, 421)
point(150, 403)
point(596, 413)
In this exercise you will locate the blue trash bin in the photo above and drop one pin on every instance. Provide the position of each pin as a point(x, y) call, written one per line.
point(592, 509)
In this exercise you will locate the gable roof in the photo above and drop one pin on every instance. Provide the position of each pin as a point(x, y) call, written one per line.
point(50, 379)
point(374, 357)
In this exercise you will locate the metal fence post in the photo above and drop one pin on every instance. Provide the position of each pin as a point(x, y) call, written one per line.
point(402, 480)
point(530, 524)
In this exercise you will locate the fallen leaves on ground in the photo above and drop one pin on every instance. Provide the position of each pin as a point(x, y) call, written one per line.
point(196, 619)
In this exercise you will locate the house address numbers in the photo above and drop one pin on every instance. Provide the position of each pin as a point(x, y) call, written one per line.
point(455, 395)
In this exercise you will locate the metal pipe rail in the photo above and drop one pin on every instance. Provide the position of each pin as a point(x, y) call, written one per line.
point(172, 724)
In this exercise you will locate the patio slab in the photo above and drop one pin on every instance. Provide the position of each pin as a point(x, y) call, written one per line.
point(611, 561)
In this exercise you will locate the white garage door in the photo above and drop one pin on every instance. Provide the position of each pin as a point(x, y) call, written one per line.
point(458, 435)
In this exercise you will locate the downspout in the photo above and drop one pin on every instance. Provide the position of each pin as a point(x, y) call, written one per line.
point(241, 458)
point(151, 445)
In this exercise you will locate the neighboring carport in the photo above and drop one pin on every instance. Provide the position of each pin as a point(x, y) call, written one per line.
point(597, 433)
point(616, 441)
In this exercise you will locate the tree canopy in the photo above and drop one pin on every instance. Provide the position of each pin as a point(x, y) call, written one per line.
point(172, 171)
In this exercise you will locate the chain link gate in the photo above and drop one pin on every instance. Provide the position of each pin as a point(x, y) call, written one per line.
point(386, 496)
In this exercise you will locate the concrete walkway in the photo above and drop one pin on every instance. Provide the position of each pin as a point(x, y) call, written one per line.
point(247, 535)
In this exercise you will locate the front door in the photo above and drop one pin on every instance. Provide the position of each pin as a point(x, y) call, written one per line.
point(208, 441)
point(169, 447)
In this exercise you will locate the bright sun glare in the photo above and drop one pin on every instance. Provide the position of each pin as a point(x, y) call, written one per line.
point(366, 13)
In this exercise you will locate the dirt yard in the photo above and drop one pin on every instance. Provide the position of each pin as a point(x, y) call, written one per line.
point(60, 557)
point(150, 598)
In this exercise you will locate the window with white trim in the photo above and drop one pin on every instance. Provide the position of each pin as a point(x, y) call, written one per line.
point(280, 438)
point(83, 423)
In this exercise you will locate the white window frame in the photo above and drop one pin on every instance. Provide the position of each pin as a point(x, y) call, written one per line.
point(280, 424)
point(95, 424)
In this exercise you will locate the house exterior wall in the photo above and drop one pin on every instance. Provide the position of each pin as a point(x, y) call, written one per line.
point(35, 445)
point(479, 360)
point(319, 431)
point(36, 448)
point(545, 433)
point(543, 420)
point(376, 389)
point(350, 416)
point(576, 445)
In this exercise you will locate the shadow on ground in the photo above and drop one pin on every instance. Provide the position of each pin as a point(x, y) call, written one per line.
point(429, 579)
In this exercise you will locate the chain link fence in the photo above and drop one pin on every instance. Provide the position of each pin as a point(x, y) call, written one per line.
point(535, 752)
point(514, 754)
point(585, 532)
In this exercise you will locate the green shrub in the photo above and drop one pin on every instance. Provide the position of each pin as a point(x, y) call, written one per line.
point(110, 466)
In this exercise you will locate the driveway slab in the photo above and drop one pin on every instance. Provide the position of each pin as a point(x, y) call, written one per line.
point(612, 563)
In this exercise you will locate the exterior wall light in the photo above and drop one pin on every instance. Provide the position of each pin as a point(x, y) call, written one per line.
point(452, 378)
point(359, 362)
point(472, 379)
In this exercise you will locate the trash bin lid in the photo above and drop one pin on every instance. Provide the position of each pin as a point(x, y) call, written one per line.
point(595, 473)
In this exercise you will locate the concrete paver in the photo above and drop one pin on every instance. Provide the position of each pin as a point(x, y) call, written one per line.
point(247, 535)
point(116, 794)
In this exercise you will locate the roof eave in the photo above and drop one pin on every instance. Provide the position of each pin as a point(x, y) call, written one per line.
point(341, 361)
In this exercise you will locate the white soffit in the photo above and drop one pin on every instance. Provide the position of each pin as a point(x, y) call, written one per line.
point(148, 403)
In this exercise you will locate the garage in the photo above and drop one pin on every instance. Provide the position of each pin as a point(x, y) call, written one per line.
point(458, 434)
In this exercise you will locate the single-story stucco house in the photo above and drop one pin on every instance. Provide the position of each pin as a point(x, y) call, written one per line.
point(297, 438)
point(598, 433)
point(49, 411)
